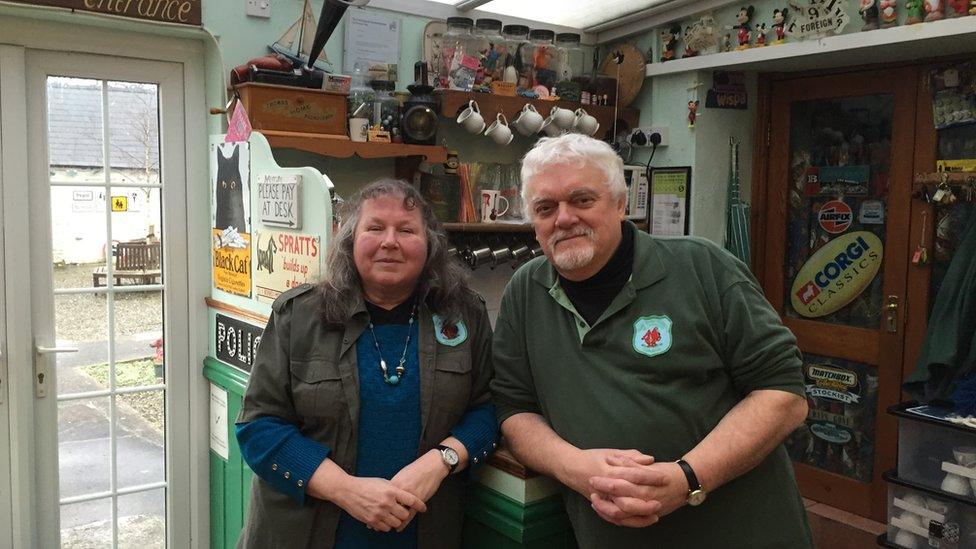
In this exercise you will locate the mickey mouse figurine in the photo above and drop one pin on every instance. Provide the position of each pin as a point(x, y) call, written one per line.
point(744, 30)
point(779, 24)
point(761, 35)
point(692, 113)
point(869, 12)
point(669, 41)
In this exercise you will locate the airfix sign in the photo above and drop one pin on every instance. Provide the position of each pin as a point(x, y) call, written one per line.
point(836, 274)
point(832, 383)
point(835, 216)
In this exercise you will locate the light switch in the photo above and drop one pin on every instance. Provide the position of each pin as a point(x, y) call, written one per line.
point(259, 8)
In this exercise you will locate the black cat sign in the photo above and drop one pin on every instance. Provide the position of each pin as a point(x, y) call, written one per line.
point(231, 217)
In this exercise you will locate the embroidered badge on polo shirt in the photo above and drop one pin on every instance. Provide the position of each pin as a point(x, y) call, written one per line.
point(652, 335)
point(451, 335)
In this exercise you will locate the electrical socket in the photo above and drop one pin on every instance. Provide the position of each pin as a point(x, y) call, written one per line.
point(641, 137)
point(258, 8)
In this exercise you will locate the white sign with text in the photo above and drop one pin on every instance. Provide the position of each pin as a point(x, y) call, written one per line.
point(279, 199)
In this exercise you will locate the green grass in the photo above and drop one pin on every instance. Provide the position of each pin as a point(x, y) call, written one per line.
point(135, 373)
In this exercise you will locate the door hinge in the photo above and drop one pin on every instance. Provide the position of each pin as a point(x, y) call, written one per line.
point(769, 133)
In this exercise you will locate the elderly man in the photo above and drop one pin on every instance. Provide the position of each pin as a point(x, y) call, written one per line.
point(649, 376)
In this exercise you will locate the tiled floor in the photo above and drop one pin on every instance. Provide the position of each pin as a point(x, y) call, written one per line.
point(836, 529)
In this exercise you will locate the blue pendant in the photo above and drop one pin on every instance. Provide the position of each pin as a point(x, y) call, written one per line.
point(393, 380)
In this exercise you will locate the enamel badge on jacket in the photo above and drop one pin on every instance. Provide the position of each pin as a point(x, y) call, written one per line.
point(451, 335)
point(652, 335)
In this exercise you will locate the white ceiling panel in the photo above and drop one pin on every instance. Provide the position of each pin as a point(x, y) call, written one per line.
point(579, 14)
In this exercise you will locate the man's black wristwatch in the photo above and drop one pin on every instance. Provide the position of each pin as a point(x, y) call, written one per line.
point(450, 457)
point(695, 493)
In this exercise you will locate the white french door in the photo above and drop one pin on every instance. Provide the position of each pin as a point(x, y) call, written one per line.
point(106, 191)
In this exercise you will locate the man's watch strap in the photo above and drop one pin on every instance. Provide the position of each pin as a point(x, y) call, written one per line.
point(695, 493)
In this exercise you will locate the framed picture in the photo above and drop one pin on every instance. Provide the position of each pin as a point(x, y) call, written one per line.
point(670, 209)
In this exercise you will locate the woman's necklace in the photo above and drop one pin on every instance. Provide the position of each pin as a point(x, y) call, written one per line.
point(400, 369)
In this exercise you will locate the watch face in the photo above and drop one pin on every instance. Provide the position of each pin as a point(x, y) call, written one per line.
point(696, 497)
point(450, 456)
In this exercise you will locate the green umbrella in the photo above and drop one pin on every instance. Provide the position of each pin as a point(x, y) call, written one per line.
point(737, 223)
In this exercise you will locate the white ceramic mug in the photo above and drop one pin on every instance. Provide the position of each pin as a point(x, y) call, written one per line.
point(528, 121)
point(499, 132)
point(563, 118)
point(489, 205)
point(358, 128)
point(585, 123)
point(470, 118)
point(550, 128)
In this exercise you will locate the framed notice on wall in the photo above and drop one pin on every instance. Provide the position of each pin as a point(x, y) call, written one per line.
point(670, 201)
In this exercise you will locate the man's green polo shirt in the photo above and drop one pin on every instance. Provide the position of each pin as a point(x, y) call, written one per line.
point(683, 342)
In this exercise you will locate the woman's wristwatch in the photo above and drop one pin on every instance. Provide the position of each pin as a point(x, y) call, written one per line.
point(449, 456)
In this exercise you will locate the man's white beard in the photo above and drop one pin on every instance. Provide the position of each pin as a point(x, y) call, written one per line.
point(577, 256)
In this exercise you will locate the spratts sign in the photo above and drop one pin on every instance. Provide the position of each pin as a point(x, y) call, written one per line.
point(835, 216)
point(836, 274)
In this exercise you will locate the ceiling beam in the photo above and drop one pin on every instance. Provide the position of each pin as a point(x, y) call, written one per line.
point(655, 16)
point(467, 5)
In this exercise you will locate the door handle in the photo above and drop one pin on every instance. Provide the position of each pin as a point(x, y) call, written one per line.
point(891, 314)
point(54, 350)
point(40, 367)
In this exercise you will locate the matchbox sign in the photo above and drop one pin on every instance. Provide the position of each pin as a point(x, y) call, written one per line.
point(836, 274)
point(835, 216)
point(832, 384)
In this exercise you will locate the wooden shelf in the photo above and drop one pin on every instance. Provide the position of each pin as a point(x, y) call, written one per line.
point(503, 227)
point(338, 146)
point(488, 227)
point(452, 101)
point(906, 42)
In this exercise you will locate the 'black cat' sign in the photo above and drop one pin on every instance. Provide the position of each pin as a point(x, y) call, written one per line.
point(231, 217)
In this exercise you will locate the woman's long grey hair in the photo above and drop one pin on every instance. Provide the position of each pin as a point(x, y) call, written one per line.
point(443, 278)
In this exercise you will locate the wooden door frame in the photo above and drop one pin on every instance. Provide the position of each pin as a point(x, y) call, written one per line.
point(817, 484)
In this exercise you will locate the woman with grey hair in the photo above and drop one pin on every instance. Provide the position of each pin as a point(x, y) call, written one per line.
point(369, 392)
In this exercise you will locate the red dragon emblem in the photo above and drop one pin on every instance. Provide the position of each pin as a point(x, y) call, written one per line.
point(652, 338)
point(450, 332)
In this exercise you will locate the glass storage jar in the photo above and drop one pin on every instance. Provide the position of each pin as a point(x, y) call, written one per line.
point(491, 50)
point(515, 36)
point(459, 53)
point(545, 58)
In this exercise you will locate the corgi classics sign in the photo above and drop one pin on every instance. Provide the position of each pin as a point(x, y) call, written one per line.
point(836, 274)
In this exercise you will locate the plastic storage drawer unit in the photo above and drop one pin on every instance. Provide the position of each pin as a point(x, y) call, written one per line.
point(935, 453)
point(919, 517)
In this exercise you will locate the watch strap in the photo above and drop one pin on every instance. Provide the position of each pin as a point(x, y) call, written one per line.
point(693, 483)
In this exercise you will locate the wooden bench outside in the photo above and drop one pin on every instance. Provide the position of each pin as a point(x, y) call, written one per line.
point(139, 262)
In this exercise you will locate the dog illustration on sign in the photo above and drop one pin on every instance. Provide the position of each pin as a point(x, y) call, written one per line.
point(266, 256)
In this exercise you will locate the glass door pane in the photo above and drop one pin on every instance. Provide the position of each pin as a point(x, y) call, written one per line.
point(106, 239)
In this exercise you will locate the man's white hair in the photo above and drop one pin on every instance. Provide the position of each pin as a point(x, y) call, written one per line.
point(577, 151)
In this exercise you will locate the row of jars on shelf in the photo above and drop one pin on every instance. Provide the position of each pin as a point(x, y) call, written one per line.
point(473, 54)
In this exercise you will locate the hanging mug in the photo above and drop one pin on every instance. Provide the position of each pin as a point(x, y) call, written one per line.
point(585, 123)
point(563, 118)
point(528, 121)
point(499, 132)
point(470, 118)
point(490, 211)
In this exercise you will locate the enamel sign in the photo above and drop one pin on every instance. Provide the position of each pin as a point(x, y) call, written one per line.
point(836, 274)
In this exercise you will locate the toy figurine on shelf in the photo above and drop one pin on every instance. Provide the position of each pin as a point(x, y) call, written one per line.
point(959, 8)
point(727, 42)
point(690, 50)
point(760, 35)
point(869, 12)
point(889, 13)
point(669, 41)
point(779, 25)
point(743, 28)
point(972, 7)
point(915, 11)
point(933, 10)
point(692, 113)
